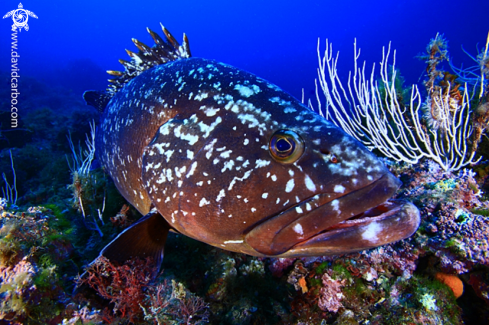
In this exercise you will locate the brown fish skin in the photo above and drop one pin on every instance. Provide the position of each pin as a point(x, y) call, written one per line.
point(207, 146)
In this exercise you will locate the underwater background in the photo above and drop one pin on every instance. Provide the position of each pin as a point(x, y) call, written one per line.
point(72, 44)
point(45, 242)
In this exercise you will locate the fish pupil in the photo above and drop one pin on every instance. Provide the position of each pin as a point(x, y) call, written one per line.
point(283, 145)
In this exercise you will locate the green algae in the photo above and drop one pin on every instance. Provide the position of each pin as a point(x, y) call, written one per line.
point(340, 272)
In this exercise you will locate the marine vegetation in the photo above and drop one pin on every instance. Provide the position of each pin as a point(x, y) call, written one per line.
point(441, 127)
point(49, 242)
point(34, 254)
point(134, 298)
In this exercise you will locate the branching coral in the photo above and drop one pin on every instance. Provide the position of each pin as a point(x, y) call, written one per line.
point(10, 191)
point(382, 121)
point(85, 184)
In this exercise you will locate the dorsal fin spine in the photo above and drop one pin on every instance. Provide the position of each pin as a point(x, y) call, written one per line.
point(162, 52)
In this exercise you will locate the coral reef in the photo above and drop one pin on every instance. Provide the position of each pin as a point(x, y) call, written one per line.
point(452, 229)
point(44, 248)
point(34, 251)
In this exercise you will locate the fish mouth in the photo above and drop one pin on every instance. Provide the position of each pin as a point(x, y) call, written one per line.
point(389, 222)
point(361, 219)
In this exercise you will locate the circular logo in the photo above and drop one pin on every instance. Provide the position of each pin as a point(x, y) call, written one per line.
point(20, 18)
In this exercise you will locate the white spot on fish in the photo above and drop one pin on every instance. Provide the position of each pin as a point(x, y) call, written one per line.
point(226, 153)
point(308, 207)
point(245, 176)
point(290, 186)
point(222, 193)
point(335, 204)
point(209, 111)
point(209, 148)
point(228, 165)
point(309, 183)
point(262, 163)
point(264, 195)
point(201, 96)
point(246, 91)
point(339, 189)
point(203, 202)
point(207, 129)
point(233, 241)
point(298, 229)
point(371, 231)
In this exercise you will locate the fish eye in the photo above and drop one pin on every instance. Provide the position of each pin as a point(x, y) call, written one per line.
point(286, 146)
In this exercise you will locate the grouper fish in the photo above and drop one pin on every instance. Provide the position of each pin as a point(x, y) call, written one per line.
point(227, 158)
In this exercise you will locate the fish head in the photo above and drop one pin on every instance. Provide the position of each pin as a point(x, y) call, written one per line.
point(252, 170)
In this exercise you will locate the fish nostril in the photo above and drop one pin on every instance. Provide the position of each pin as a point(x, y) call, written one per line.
point(331, 156)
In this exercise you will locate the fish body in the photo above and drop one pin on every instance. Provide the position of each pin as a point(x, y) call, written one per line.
point(227, 158)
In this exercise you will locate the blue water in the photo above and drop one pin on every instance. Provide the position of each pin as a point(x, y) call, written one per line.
point(73, 43)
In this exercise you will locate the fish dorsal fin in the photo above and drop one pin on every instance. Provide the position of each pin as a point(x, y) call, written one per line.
point(146, 238)
point(162, 52)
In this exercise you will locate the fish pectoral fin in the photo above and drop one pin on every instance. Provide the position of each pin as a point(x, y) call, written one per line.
point(146, 238)
point(97, 99)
